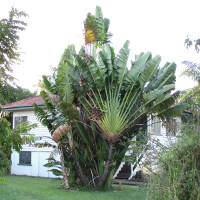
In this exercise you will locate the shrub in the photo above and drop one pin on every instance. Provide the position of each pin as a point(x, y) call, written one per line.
point(178, 168)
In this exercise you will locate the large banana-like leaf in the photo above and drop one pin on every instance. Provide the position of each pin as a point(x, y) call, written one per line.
point(173, 111)
point(48, 85)
point(120, 66)
point(107, 58)
point(68, 111)
point(138, 66)
point(83, 69)
point(96, 74)
point(100, 24)
point(156, 93)
point(63, 81)
point(164, 102)
point(149, 70)
point(165, 76)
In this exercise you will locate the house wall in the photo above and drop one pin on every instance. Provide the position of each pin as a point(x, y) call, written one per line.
point(38, 159)
point(40, 130)
point(154, 135)
point(38, 155)
point(163, 137)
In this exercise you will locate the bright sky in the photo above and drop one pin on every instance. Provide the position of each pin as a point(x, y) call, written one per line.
point(158, 26)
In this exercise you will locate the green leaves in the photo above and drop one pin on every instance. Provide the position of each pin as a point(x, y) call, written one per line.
point(9, 29)
point(164, 76)
point(148, 71)
point(63, 80)
point(103, 101)
point(173, 111)
point(120, 66)
point(99, 27)
point(138, 66)
point(11, 139)
point(113, 122)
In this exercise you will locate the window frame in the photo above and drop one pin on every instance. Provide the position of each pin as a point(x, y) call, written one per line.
point(27, 159)
point(21, 120)
point(172, 127)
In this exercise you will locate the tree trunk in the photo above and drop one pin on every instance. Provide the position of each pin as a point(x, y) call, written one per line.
point(79, 170)
point(65, 183)
point(108, 167)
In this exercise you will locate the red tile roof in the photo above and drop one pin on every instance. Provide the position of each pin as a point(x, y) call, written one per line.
point(26, 102)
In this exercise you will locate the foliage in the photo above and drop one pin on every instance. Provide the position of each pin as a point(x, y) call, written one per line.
point(14, 94)
point(178, 171)
point(54, 163)
point(190, 42)
point(9, 36)
point(9, 53)
point(96, 28)
point(191, 96)
point(11, 139)
point(96, 105)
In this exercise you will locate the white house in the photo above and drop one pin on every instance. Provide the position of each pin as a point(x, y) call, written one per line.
point(31, 159)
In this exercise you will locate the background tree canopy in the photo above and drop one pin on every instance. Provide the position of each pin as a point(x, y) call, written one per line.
point(192, 96)
point(96, 105)
point(15, 93)
point(9, 47)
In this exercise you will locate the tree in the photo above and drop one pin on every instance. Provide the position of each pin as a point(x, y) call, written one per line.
point(16, 93)
point(192, 96)
point(190, 42)
point(11, 139)
point(96, 105)
point(9, 53)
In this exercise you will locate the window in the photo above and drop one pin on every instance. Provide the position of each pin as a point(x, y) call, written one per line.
point(25, 158)
point(156, 126)
point(19, 120)
point(172, 127)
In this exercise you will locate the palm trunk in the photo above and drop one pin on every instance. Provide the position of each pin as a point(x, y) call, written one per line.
point(79, 170)
point(65, 183)
point(108, 167)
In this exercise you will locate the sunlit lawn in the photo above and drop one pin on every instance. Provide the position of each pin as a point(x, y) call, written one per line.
point(26, 188)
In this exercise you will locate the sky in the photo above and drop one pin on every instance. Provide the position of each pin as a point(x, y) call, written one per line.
point(158, 26)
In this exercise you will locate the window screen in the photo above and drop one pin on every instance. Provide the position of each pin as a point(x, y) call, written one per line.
point(25, 158)
point(172, 127)
point(19, 120)
point(156, 126)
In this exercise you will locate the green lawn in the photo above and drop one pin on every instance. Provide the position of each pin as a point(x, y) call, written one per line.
point(26, 188)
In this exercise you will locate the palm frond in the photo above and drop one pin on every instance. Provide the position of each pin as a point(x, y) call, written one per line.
point(164, 76)
point(48, 86)
point(121, 59)
point(100, 34)
point(138, 66)
point(173, 111)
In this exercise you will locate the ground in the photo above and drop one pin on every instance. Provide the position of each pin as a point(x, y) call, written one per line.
point(26, 188)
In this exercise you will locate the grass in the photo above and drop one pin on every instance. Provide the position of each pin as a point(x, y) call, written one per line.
point(27, 188)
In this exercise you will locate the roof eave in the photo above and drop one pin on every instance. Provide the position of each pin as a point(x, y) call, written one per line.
point(28, 107)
